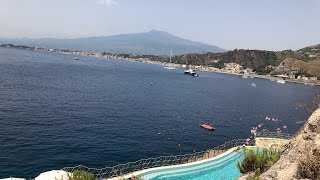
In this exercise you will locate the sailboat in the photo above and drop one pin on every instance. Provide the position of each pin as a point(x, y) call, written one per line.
point(169, 67)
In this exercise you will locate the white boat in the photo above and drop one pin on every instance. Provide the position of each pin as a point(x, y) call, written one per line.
point(281, 81)
point(191, 72)
point(244, 76)
point(253, 84)
point(169, 67)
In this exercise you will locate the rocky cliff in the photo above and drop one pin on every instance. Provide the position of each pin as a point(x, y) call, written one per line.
point(293, 66)
point(288, 66)
point(307, 142)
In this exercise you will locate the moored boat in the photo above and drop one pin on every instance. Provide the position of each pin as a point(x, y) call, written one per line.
point(281, 81)
point(253, 84)
point(191, 72)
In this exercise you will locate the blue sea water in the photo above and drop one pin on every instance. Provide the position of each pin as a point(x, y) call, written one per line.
point(57, 112)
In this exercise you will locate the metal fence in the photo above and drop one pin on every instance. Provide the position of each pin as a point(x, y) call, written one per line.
point(279, 135)
point(123, 169)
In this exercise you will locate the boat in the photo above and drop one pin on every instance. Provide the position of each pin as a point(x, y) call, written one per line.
point(76, 58)
point(208, 127)
point(253, 84)
point(244, 76)
point(281, 81)
point(191, 72)
point(169, 67)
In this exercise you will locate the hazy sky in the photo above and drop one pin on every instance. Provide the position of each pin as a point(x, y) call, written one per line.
point(230, 24)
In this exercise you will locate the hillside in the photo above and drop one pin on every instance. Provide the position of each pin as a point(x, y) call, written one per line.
point(306, 54)
point(152, 43)
point(256, 59)
point(293, 66)
point(305, 61)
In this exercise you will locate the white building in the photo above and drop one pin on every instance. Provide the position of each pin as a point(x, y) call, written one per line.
point(292, 77)
point(233, 67)
point(305, 78)
point(313, 78)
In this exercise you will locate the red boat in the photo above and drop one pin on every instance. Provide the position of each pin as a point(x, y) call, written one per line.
point(208, 127)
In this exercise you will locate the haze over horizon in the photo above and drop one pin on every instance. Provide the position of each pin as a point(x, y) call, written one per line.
point(269, 25)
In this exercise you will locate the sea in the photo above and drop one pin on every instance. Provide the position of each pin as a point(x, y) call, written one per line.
point(58, 112)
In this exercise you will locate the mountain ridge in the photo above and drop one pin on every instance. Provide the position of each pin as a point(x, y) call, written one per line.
point(153, 42)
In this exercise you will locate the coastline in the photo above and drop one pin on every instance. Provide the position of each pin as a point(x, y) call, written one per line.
point(317, 83)
point(148, 61)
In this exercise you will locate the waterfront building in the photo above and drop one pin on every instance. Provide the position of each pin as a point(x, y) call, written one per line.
point(305, 78)
point(313, 78)
point(292, 77)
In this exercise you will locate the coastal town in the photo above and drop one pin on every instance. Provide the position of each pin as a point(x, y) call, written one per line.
point(229, 68)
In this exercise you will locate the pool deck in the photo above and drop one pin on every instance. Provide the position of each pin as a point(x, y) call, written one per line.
point(263, 142)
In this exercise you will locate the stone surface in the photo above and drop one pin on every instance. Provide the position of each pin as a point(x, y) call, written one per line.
point(270, 142)
point(53, 175)
point(246, 176)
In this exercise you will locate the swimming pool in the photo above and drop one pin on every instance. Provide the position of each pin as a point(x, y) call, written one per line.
point(224, 167)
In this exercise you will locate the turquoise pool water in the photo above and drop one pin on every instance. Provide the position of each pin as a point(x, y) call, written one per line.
point(224, 168)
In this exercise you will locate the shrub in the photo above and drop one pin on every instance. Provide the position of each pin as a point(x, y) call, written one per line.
point(258, 161)
point(81, 175)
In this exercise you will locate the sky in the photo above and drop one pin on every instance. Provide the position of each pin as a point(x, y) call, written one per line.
point(230, 24)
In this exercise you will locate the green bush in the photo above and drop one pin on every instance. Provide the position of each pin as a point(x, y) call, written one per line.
point(81, 175)
point(258, 161)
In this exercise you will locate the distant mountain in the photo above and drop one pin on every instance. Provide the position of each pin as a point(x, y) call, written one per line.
point(152, 42)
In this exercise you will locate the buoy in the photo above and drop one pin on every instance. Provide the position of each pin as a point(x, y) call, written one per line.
point(159, 133)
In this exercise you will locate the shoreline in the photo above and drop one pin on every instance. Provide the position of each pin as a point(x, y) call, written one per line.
point(317, 83)
point(148, 61)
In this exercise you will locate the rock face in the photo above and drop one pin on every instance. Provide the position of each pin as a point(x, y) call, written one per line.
point(288, 66)
point(306, 142)
point(53, 175)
